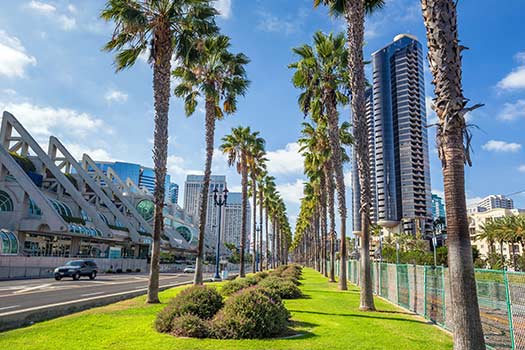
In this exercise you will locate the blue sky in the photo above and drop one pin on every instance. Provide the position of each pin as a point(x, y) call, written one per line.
point(56, 80)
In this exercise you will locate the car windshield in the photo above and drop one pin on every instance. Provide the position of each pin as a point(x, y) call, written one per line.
point(74, 263)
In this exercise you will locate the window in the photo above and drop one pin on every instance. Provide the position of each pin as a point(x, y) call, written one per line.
point(8, 242)
point(6, 204)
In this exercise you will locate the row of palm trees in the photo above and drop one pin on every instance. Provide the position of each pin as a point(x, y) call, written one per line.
point(184, 32)
point(326, 84)
point(504, 230)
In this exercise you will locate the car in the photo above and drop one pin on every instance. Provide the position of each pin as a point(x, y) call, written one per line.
point(76, 269)
point(189, 269)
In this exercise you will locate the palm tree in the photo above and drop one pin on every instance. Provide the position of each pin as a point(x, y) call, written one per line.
point(269, 193)
point(165, 27)
point(238, 146)
point(262, 175)
point(221, 77)
point(255, 167)
point(354, 13)
point(444, 57)
point(322, 73)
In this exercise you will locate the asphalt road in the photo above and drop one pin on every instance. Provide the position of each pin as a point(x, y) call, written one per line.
point(28, 295)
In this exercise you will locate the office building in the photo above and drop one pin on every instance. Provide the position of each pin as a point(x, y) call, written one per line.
point(173, 193)
point(398, 147)
point(492, 202)
point(232, 222)
point(438, 208)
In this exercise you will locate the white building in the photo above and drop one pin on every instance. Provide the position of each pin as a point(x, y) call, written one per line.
point(232, 220)
point(476, 222)
point(492, 202)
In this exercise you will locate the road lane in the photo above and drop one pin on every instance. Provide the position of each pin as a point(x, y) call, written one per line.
point(26, 295)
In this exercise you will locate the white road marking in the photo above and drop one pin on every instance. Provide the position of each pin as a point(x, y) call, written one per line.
point(25, 290)
point(88, 294)
point(9, 307)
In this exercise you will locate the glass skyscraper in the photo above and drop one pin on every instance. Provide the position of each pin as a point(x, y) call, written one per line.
point(398, 148)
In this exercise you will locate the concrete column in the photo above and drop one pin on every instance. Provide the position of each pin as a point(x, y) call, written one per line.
point(136, 251)
point(75, 246)
point(21, 241)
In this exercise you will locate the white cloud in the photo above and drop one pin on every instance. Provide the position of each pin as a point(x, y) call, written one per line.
point(516, 78)
point(292, 192)
point(431, 114)
point(71, 8)
point(271, 23)
point(440, 193)
point(285, 161)
point(13, 57)
point(42, 121)
point(501, 146)
point(377, 25)
point(513, 111)
point(78, 151)
point(116, 96)
point(472, 201)
point(48, 10)
point(521, 168)
point(177, 167)
point(224, 7)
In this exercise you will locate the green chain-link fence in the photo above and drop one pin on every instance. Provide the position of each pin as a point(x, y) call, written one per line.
point(425, 291)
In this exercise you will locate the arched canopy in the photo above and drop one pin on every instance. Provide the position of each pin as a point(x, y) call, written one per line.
point(8, 242)
point(34, 210)
point(61, 208)
point(84, 230)
point(6, 203)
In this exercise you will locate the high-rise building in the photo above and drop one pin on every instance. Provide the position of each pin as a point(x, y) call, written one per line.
point(232, 219)
point(438, 208)
point(192, 195)
point(142, 176)
point(173, 193)
point(494, 201)
point(398, 148)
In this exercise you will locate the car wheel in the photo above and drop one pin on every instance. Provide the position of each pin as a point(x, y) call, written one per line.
point(58, 277)
point(93, 275)
point(76, 276)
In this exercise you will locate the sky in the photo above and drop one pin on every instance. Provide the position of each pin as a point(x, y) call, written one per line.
point(56, 80)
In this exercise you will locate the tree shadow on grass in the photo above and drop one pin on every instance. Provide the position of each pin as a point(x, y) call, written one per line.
point(331, 291)
point(371, 314)
point(304, 331)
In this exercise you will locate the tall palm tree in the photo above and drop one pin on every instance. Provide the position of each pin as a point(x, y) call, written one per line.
point(453, 141)
point(262, 175)
point(238, 146)
point(353, 12)
point(322, 73)
point(270, 193)
point(165, 27)
point(219, 76)
point(255, 167)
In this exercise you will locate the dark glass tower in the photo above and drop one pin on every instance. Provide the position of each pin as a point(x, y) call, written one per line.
point(398, 139)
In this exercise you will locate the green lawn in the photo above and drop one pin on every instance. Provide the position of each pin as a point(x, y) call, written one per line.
point(329, 319)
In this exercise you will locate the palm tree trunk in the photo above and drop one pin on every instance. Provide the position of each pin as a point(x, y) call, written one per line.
point(244, 185)
point(278, 241)
point(254, 224)
point(267, 241)
point(337, 161)
point(210, 133)
point(444, 56)
point(355, 21)
point(161, 92)
point(331, 210)
point(323, 224)
point(262, 255)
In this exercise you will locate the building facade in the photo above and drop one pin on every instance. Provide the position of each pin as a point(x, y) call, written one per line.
point(398, 147)
point(232, 222)
point(476, 222)
point(52, 205)
point(494, 201)
point(173, 193)
point(438, 207)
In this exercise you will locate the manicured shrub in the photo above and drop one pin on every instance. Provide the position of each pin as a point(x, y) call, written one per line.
point(119, 270)
point(189, 326)
point(259, 276)
point(137, 270)
point(236, 285)
point(201, 301)
point(250, 313)
point(291, 273)
point(285, 288)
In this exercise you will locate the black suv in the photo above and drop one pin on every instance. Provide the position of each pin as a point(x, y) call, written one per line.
point(77, 268)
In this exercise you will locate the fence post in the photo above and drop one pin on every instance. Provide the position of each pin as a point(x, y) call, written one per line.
point(380, 280)
point(509, 307)
point(397, 282)
point(443, 295)
point(425, 290)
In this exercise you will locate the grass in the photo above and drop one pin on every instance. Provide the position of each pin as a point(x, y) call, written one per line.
point(326, 319)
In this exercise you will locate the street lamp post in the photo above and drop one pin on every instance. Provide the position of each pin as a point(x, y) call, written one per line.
point(219, 200)
point(257, 256)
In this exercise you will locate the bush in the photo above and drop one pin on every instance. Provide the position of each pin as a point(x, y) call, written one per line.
point(237, 284)
point(119, 270)
point(259, 276)
point(189, 326)
point(201, 301)
point(285, 288)
point(137, 270)
point(250, 313)
point(129, 270)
